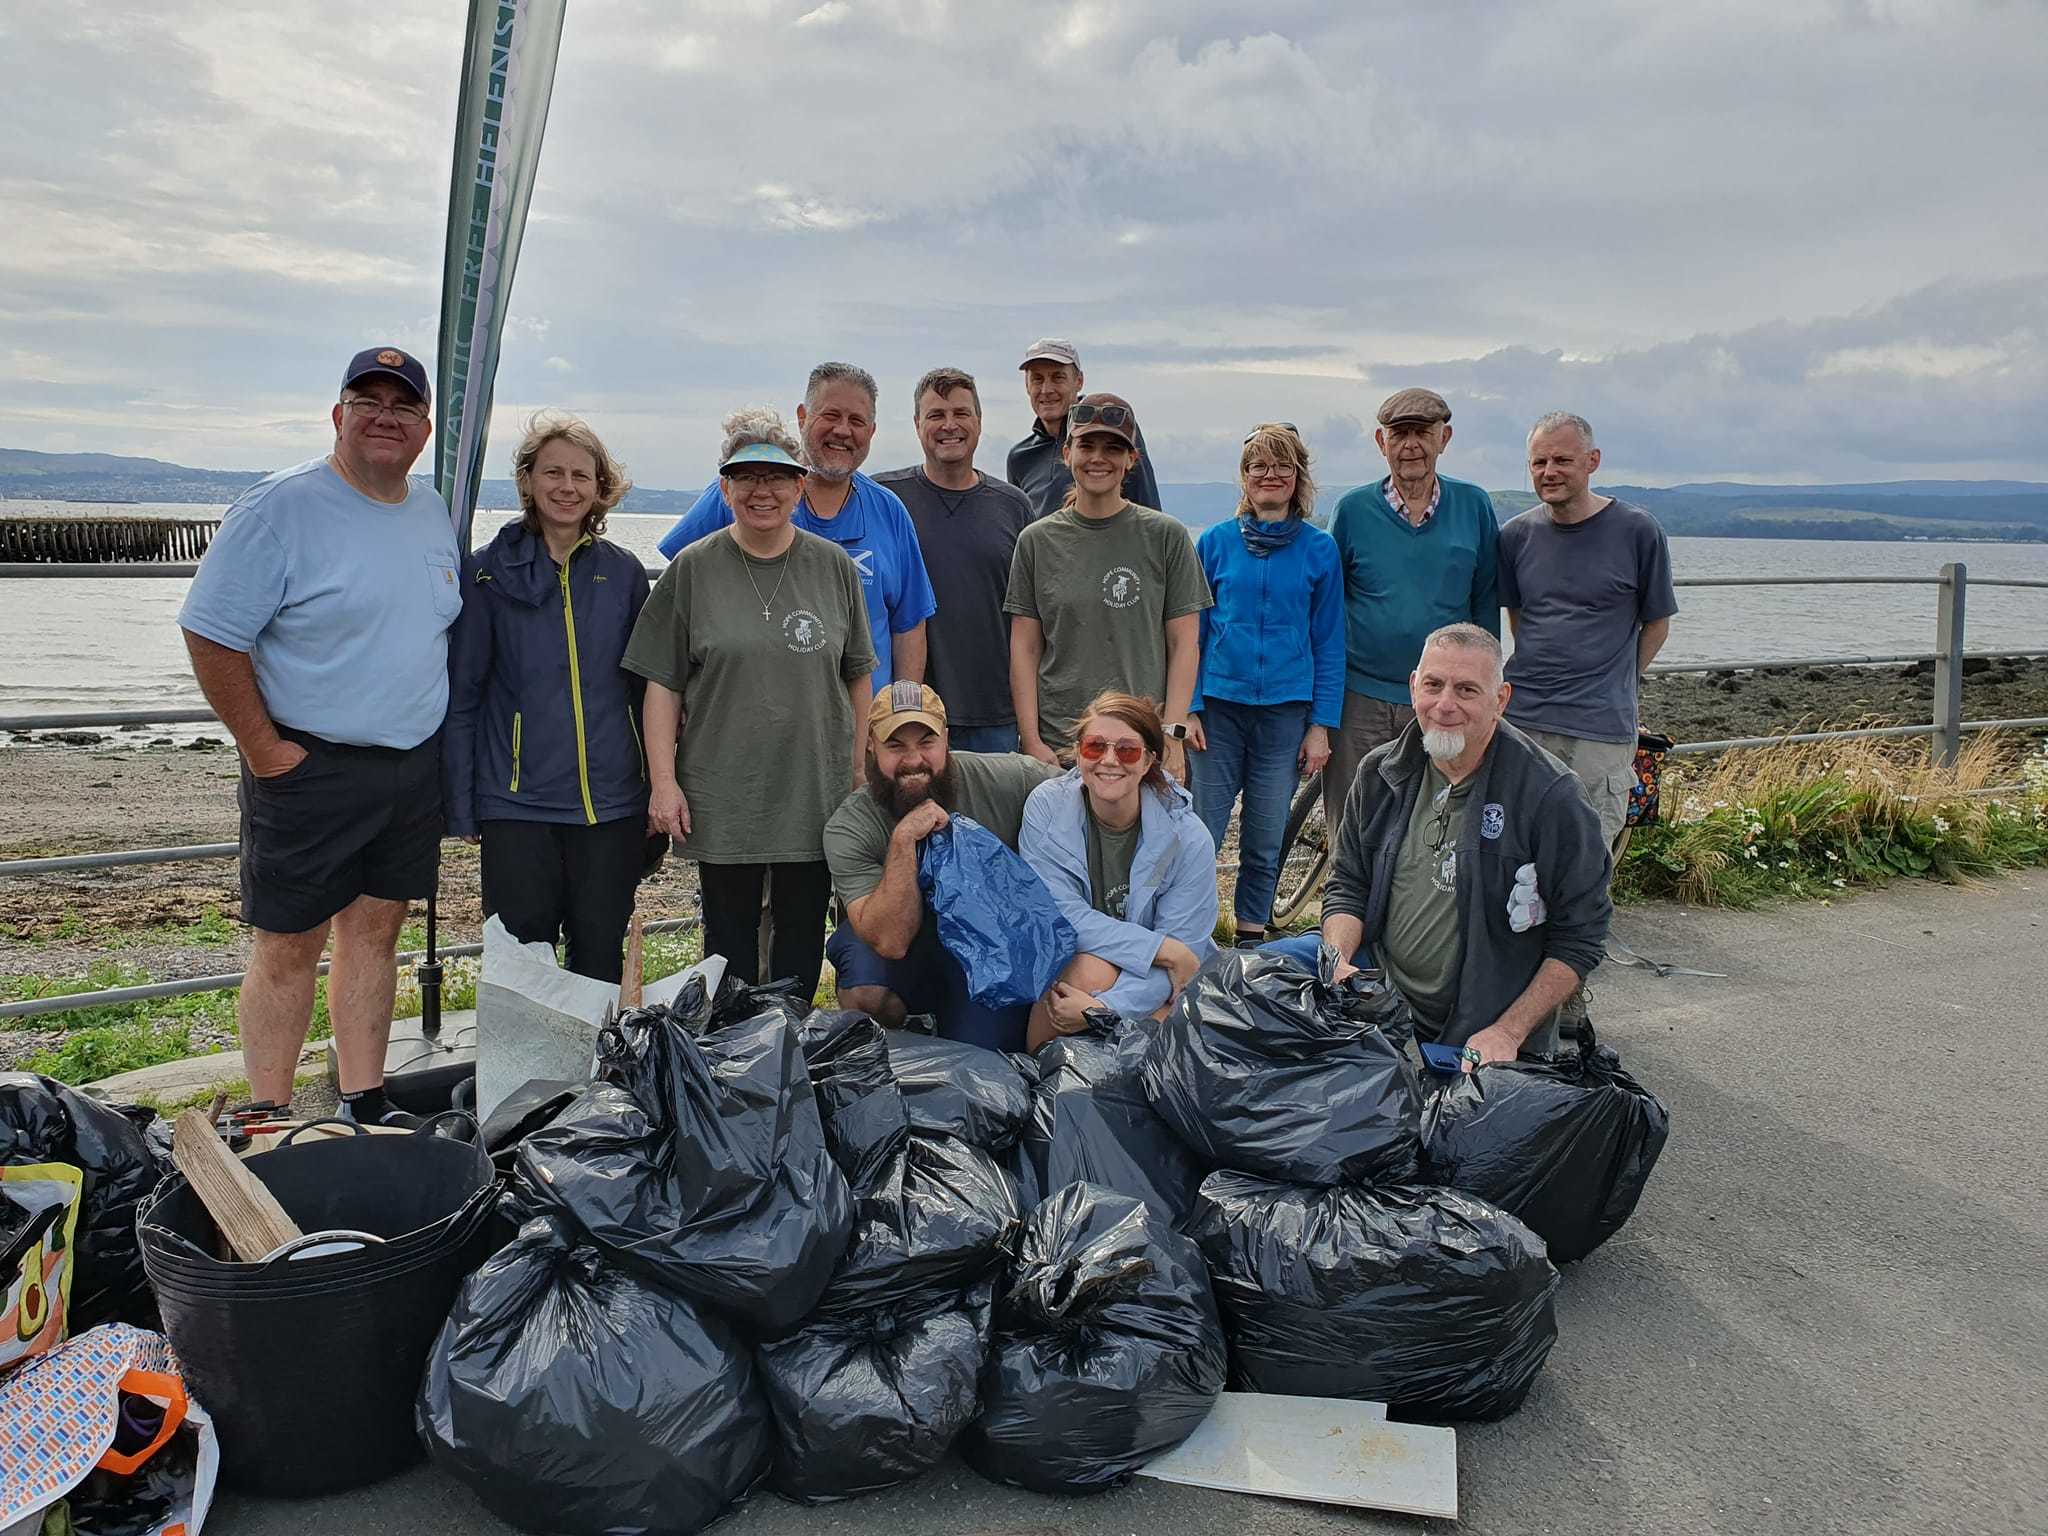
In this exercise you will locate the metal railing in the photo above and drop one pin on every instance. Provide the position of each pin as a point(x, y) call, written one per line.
point(1947, 730)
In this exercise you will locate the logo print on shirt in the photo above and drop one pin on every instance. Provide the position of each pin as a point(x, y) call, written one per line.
point(864, 562)
point(1118, 902)
point(1120, 587)
point(804, 631)
point(1492, 819)
point(1445, 875)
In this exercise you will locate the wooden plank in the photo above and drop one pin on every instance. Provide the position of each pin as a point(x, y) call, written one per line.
point(1318, 1449)
point(247, 1214)
point(630, 981)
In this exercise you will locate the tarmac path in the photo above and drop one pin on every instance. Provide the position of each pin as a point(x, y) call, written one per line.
point(1829, 1314)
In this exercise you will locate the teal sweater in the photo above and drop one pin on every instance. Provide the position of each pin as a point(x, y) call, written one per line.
point(1401, 582)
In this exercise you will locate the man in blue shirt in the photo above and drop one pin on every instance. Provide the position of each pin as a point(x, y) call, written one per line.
point(1420, 551)
point(318, 630)
point(868, 521)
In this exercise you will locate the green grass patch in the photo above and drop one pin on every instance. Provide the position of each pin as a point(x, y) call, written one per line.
point(1818, 819)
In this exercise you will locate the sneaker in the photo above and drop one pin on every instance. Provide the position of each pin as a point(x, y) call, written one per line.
point(1250, 940)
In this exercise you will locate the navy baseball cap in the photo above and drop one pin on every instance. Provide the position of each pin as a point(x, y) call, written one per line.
point(393, 364)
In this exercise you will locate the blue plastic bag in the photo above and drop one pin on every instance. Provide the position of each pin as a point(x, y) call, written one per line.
point(995, 916)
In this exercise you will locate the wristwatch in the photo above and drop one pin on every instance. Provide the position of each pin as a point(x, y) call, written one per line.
point(1178, 731)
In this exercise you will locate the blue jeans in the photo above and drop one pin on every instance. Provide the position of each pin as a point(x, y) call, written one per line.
point(1253, 749)
point(928, 980)
point(982, 738)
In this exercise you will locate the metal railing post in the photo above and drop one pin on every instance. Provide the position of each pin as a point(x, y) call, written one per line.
point(1948, 664)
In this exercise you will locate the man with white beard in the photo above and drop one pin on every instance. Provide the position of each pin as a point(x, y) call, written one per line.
point(1469, 866)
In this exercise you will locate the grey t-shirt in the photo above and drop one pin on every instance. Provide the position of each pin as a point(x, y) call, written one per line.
point(968, 539)
point(1103, 589)
point(1422, 947)
point(990, 787)
point(1111, 851)
point(1584, 591)
point(766, 748)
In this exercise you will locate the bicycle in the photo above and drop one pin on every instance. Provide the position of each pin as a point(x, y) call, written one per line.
point(1304, 853)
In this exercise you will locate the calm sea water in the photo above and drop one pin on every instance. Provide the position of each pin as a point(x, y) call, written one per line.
point(72, 644)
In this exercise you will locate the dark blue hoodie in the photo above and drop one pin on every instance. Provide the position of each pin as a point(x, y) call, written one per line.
point(543, 723)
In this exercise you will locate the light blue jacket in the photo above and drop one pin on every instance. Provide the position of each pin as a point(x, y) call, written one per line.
point(1173, 884)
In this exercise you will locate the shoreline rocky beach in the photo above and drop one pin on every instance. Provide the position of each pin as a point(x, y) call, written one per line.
point(70, 795)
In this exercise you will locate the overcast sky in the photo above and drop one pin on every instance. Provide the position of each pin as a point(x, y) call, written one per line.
point(1750, 239)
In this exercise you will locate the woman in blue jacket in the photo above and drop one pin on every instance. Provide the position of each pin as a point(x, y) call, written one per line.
point(1129, 864)
point(1271, 685)
point(541, 753)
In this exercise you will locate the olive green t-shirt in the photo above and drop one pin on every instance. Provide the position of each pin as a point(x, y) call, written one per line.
point(1102, 589)
point(990, 787)
point(766, 748)
point(1110, 852)
point(1423, 948)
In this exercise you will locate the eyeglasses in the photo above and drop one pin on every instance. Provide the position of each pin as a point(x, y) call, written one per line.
point(1100, 416)
point(1284, 426)
point(1094, 748)
point(1265, 471)
point(749, 478)
point(1440, 824)
point(363, 406)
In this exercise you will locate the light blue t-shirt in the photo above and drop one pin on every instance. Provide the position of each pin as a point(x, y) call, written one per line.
point(876, 533)
point(342, 603)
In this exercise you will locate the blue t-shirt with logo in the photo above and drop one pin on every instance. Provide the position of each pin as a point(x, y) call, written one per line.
point(876, 533)
point(342, 603)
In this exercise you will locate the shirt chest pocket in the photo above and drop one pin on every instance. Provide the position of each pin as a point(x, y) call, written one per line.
point(444, 587)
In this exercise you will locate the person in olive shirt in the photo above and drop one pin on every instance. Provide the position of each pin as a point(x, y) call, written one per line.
point(1469, 864)
point(887, 953)
point(756, 651)
point(1105, 596)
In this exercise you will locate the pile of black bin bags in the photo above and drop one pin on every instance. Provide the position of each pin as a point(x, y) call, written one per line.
point(1338, 1271)
point(782, 1245)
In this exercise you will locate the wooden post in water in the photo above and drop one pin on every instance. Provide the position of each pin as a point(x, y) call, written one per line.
point(1948, 664)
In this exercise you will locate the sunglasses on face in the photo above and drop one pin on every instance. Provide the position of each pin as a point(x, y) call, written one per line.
point(1094, 748)
point(1099, 416)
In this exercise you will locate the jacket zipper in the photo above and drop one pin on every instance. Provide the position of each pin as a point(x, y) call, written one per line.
point(639, 748)
point(576, 686)
point(515, 752)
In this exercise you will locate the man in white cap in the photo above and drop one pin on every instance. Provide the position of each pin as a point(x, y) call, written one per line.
point(1052, 383)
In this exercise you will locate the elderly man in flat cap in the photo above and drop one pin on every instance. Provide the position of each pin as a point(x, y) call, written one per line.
point(1419, 551)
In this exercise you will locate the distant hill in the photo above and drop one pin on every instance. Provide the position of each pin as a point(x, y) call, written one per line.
point(2003, 510)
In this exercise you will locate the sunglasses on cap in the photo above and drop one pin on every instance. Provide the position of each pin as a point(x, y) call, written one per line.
point(1100, 416)
point(1267, 426)
point(1093, 749)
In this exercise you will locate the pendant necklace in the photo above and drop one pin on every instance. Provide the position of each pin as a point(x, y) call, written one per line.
point(766, 602)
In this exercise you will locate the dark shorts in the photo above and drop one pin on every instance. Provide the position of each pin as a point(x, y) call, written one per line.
point(347, 822)
point(928, 980)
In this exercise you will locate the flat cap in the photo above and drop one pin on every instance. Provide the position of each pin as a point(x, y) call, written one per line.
point(1424, 405)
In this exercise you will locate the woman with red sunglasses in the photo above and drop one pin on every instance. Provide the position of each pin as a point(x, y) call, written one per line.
point(1129, 863)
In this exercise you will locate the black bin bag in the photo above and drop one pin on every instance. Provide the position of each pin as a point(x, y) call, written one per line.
point(952, 1088)
point(866, 1401)
point(866, 1123)
point(1264, 1067)
point(700, 1160)
point(42, 1121)
point(1107, 1349)
point(1424, 1299)
point(1566, 1144)
point(1093, 1124)
point(576, 1399)
point(938, 1217)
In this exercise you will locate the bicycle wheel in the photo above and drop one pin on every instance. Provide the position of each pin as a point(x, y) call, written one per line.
point(1304, 853)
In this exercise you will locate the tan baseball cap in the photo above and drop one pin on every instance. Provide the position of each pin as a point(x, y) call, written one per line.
point(902, 702)
point(1423, 405)
point(1052, 349)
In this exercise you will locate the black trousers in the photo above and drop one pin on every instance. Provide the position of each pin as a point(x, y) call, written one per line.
point(797, 898)
point(565, 882)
